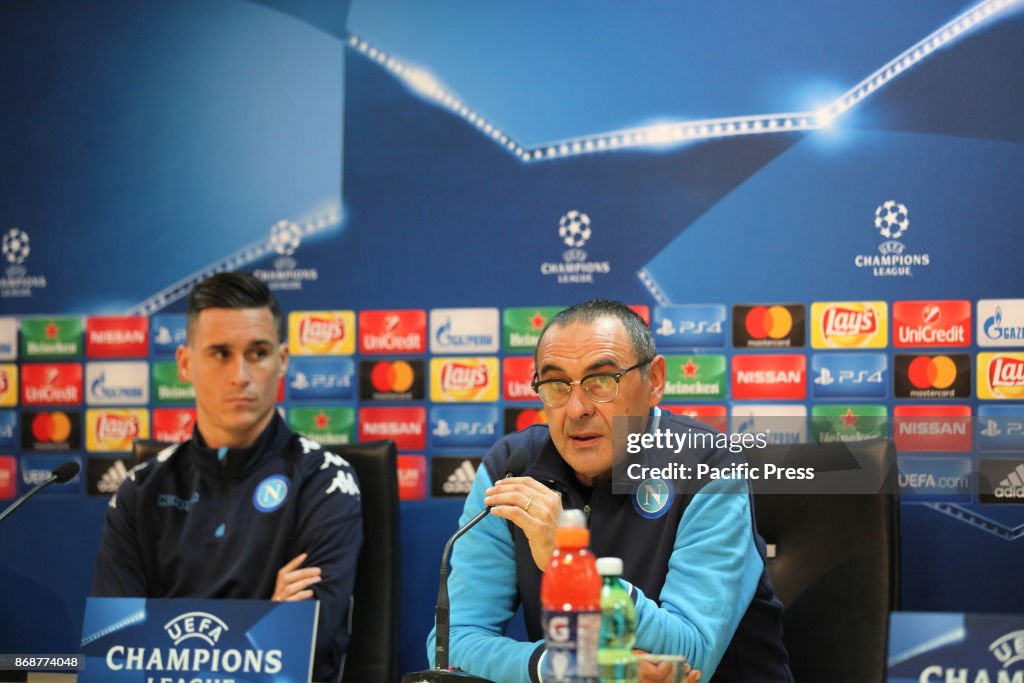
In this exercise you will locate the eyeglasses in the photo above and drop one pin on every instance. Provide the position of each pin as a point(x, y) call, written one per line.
point(600, 387)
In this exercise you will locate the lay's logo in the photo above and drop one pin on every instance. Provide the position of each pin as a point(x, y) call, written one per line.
point(114, 430)
point(1001, 375)
point(321, 333)
point(849, 325)
point(463, 379)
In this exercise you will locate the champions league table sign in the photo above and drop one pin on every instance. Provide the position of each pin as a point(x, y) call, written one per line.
point(939, 647)
point(197, 641)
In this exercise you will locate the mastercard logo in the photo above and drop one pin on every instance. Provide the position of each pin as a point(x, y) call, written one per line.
point(765, 322)
point(397, 376)
point(519, 419)
point(932, 372)
point(51, 427)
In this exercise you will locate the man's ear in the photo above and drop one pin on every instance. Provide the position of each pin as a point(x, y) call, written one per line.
point(656, 376)
point(282, 353)
point(184, 357)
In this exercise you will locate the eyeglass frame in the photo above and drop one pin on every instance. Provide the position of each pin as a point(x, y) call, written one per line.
point(617, 376)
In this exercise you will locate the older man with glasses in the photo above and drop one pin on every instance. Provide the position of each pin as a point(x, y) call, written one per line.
point(694, 563)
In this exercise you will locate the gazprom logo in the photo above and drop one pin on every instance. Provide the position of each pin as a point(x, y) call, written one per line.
point(202, 625)
point(653, 498)
point(270, 493)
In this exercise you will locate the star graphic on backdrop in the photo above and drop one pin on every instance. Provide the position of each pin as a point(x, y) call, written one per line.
point(538, 321)
point(52, 330)
point(849, 419)
point(322, 421)
point(691, 368)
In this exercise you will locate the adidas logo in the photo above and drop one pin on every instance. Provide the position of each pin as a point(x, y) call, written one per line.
point(1013, 485)
point(112, 478)
point(461, 480)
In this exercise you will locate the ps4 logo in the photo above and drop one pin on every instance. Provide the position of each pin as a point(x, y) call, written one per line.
point(826, 377)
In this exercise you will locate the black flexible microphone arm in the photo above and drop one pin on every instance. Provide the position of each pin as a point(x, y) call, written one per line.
point(442, 613)
point(63, 472)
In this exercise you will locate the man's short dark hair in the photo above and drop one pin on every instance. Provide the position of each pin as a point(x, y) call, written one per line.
point(589, 312)
point(231, 290)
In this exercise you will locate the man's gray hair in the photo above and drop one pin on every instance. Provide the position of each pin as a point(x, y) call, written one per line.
point(589, 312)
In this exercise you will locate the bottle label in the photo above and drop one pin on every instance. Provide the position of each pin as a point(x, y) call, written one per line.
point(572, 639)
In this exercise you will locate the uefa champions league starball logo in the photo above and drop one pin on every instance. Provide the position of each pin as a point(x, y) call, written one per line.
point(16, 246)
point(574, 229)
point(892, 219)
point(285, 237)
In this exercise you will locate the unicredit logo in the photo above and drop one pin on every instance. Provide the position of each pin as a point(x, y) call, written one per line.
point(463, 376)
point(845, 322)
point(1006, 372)
point(321, 330)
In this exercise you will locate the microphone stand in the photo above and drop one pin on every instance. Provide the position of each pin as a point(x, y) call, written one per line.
point(442, 673)
point(36, 489)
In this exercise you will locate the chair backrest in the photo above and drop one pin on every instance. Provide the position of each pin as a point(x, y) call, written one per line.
point(373, 649)
point(836, 564)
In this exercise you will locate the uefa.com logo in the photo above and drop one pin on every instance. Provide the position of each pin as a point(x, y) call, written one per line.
point(285, 238)
point(16, 282)
point(892, 221)
point(574, 231)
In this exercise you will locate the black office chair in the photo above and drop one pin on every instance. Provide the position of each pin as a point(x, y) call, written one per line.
point(834, 561)
point(373, 650)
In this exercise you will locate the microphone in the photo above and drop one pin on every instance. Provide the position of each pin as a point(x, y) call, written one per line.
point(64, 472)
point(442, 673)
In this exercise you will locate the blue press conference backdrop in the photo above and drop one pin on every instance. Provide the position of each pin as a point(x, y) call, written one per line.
point(411, 155)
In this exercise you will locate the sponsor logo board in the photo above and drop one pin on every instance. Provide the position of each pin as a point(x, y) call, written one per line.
point(321, 378)
point(45, 338)
point(849, 324)
point(464, 426)
point(714, 416)
point(37, 468)
point(403, 331)
point(776, 376)
point(1001, 322)
point(931, 323)
point(51, 430)
point(327, 425)
point(452, 477)
point(1000, 428)
point(782, 423)
point(1001, 375)
point(110, 429)
point(103, 475)
point(689, 326)
point(694, 377)
point(412, 477)
point(391, 380)
point(48, 384)
point(1001, 482)
point(463, 379)
point(167, 332)
point(8, 385)
point(769, 326)
point(117, 337)
point(111, 384)
point(932, 376)
point(173, 424)
point(522, 326)
point(168, 386)
point(8, 428)
point(464, 330)
point(846, 423)
point(924, 479)
point(517, 419)
point(322, 333)
point(932, 428)
point(406, 426)
point(849, 375)
point(8, 477)
point(517, 376)
point(8, 339)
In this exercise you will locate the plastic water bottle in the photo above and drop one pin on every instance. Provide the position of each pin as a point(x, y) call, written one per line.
point(615, 657)
point(570, 596)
